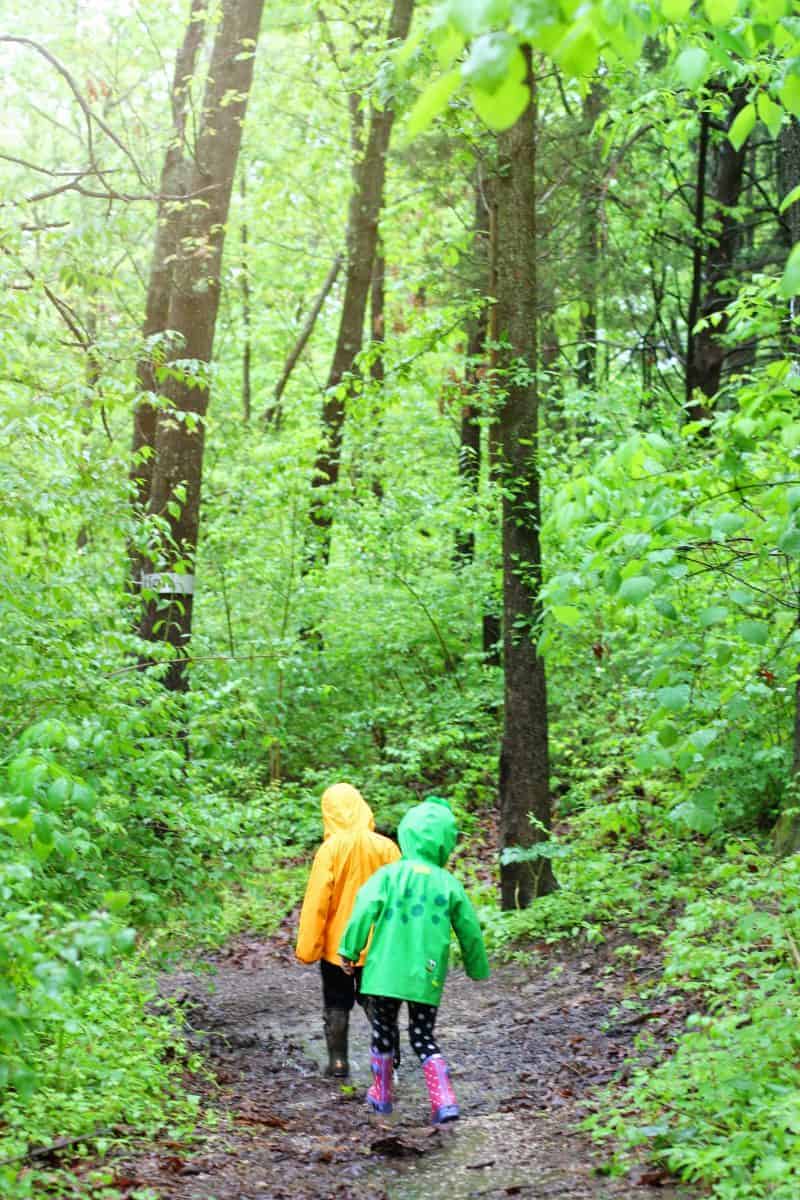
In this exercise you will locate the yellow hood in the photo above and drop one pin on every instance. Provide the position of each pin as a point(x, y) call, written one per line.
point(344, 810)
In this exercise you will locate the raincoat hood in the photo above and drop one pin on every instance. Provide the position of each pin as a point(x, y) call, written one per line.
point(428, 831)
point(344, 810)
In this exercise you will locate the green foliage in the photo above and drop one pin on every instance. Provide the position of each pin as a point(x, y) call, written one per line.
point(107, 1065)
point(724, 1107)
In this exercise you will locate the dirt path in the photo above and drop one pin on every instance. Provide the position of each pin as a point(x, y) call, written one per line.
point(523, 1047)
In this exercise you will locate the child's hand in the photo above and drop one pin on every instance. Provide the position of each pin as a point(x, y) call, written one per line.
point(348, 965)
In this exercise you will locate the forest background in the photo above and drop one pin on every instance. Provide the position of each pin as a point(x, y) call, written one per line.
point(466, 362)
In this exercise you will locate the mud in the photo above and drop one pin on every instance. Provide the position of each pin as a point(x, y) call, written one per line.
point(525, 1048)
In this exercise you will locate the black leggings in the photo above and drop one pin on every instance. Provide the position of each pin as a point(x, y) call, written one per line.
point(421, 1020)
point(339, 990)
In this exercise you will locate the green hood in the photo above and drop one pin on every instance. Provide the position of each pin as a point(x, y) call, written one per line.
point(428, 831)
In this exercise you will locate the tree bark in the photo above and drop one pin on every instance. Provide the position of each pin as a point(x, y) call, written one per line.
point(366, 201)
point(174, 182)
point(469, 449)
point(705, 355)
point(193, 306)
point(590, 243)
point(524, 765)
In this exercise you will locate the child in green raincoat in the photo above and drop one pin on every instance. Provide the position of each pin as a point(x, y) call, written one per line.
point(411, 906)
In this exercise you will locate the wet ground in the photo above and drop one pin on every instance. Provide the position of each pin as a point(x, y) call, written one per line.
point(525, 1047)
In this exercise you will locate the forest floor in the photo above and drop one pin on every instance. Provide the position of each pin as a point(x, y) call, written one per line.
point(525, 1048)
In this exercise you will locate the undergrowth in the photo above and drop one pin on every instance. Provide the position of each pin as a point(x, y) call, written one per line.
point(722, 1108)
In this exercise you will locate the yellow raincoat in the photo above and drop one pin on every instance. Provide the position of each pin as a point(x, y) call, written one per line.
point(349, 855)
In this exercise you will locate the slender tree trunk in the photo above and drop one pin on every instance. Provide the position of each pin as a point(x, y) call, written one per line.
point(524, 769)
point(705, 356)
point(366, 201)
point(194, 302)
point(174, 182)
point(469, 450)
point(272, 415)
point(695, 409)
point(590, 242)
point(789, 176)
point(491, 622)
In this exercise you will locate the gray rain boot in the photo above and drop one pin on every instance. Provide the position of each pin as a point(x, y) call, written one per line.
point(336, 1021)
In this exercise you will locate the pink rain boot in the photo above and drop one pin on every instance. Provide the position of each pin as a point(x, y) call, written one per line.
point(440, 1090)
point(379, 1096)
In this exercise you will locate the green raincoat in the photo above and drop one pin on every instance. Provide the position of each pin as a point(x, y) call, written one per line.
point(411, 906)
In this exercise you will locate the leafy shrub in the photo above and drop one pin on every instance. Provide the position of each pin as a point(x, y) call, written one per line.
point(725, 1108)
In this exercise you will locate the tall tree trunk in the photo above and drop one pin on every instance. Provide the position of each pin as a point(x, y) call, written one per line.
point(469, 449)
point(194, 302)
point(705, 355)
point(524, 768)
point(366, 201)
point(590, 214)
point(175, 175)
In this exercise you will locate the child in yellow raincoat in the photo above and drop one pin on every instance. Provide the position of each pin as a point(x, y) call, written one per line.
point(347, 858)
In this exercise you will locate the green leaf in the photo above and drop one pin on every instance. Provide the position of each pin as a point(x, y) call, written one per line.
point(665, 607)
point(494, 58)
point(18, 806)
point(674, 698)
point(721, 12)
point(566, 614)
point(653, 756)
point(448, 47)
point(790, 199)
point(754, 632)
point(612, 580)
point(790, 435)
point(692, 66)
point(790, 280)
point(770, 113)
point(789, 542)
point(474, 16)
point(789, 94)
point(668, 734)
point(636, 589)
point(83, 797)
point(58, 794)
point(675, 10)
point(43, 829)
point(504, 108)
point(742, 126)
point(715, 614)
point(699, 816)
point(702, 738)
point(432, 102)
point(579, 52)
point(116, 901)
point(729, 522)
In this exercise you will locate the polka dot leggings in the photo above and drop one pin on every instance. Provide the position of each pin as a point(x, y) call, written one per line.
point(421, 1020)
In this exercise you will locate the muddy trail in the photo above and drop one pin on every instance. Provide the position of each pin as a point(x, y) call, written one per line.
point(525, 1048)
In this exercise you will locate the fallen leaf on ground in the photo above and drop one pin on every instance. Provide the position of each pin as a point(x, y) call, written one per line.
point(395, 1147)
